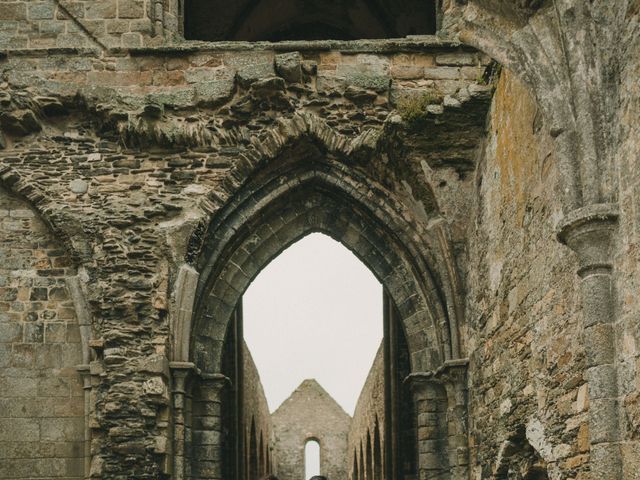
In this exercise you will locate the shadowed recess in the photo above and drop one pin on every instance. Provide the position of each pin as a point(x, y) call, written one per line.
point(277, 20)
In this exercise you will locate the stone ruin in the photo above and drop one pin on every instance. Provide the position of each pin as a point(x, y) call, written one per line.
point(479, 156)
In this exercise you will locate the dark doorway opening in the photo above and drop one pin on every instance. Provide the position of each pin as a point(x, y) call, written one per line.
point(278, 20)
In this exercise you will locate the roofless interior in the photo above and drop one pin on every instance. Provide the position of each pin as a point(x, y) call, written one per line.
point(278, 20)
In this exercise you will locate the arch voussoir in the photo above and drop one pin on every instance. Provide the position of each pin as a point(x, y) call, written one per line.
point(267, 216)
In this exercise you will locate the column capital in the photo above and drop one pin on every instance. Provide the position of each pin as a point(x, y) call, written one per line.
point(588, 231)
point(451, 372)
point(214, 381)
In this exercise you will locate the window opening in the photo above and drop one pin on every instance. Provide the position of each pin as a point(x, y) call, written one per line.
point(311, 459)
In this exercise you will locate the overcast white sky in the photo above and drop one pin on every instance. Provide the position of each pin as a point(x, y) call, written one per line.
point(314, 312)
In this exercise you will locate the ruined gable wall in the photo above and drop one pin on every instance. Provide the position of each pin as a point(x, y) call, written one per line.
point(526, 356)
point(41, 396)
point(310, 414)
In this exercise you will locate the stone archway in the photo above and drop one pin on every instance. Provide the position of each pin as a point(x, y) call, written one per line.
point(319, 196)
point(307, 190)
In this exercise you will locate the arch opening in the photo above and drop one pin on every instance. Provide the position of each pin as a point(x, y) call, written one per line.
point(282, 203)
point(254, 20)
point(311, 458)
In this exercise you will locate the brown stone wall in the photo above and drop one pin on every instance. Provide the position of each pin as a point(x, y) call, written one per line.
point(41, 396)
point(528, 398)
point(627, 262)
point(369, 416)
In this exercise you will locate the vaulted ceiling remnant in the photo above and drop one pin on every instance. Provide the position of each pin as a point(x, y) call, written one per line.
point(254, 20)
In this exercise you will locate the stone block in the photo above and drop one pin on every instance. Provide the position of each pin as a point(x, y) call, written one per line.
point(41, 10)
point(23, 355)
point(75, 9)
point(71, 40)
point(117, 26)
point(55, 332)
point(289, 66)
point(130, 8)
point(51, 27)
point(441, 73)
point(25, 429)
point(172, 97)
point(10, 332)
point(131, 40)
point(53, 386)
point(214, 92)
point(61, 429)
point(34, 332)
point(100, 9)
point(606, 426)
point(13, 11)
point(406, 72)
point(5, 355)
point(456, 59)
point(365, 76)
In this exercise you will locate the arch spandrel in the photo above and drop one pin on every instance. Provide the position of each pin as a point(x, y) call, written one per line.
point(276, 208)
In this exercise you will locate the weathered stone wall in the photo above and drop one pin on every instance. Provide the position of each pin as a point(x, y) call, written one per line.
point(130, 154)
point(41, 395)
point(258, 424)
point(73, 24)
point(627, 258)
point(310, 414)
point(527, 395)
point(368, 418)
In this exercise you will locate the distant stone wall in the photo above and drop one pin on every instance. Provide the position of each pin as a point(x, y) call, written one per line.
point(41, 395)
point(257, 423)
point(310, 414)
point(365, 451)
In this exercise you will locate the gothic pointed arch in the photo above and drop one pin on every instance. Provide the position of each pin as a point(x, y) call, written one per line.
point(309, 190)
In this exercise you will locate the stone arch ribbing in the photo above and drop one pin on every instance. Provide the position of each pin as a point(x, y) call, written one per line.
point(68, 230)
point(321, 196)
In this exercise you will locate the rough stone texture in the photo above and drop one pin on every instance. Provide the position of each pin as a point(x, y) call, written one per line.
point(525, 345)
point(367, 430)
point(310, 414)
point(219, 155)
point(259, 431)
point(41, 397)
point(160, 149)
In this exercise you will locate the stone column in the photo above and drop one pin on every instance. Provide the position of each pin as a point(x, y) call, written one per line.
point(427, 394)
point(454, 379)
point(85, 373)
point(180, 371)
point(207, 428)
point(589, 232)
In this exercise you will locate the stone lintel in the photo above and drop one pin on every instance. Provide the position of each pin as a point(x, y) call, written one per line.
point(394, 45)
point(588, 231)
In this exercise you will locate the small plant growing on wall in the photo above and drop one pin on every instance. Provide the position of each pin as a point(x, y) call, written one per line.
point(414, 108)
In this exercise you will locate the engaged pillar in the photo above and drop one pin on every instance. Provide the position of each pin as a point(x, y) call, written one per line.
point(589, 232)
point(207, 427)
